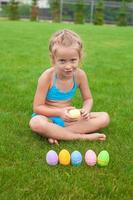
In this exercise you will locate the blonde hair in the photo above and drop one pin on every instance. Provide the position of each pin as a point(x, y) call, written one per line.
point(65, 38)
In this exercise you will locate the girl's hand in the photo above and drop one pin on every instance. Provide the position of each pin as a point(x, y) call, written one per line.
point(85, 114)
point(65, 114)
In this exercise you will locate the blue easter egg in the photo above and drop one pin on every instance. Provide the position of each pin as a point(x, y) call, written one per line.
point(76, 158)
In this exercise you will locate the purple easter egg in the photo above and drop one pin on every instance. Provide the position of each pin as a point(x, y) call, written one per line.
point(52, 158)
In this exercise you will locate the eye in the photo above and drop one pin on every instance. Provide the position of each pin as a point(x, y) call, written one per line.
point(73, 60)
point(62, 61)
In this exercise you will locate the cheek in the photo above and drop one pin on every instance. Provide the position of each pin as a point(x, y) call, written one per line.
point(75, 68)
point(59, 67)
point(75, 65)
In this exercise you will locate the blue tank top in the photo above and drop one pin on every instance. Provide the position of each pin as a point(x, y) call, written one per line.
point(57, 95)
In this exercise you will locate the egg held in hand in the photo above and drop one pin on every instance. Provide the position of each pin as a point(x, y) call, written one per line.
point(74, 113)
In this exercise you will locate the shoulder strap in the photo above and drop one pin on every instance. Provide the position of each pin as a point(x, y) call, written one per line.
point(74, 80)
point(54, 79)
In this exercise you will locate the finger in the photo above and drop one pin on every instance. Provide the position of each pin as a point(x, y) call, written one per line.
point(71, 120)
point(84, 114)
point(70, 108)
point(87, 116)
point(82, 110)
point(67, 117)
point(67, 120)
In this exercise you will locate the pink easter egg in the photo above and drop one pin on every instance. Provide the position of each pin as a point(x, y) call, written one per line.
point(90, 158)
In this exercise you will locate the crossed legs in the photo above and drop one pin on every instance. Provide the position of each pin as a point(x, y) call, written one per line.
point(73, 131)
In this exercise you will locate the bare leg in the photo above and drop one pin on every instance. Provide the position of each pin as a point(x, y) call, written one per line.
point(97, 121)
point(50, 130)
point(50, 140)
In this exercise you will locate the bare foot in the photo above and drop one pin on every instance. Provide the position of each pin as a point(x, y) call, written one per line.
point(96, 136)
point(53, 141)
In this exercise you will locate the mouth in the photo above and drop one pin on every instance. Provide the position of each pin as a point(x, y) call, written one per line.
point(68, 71)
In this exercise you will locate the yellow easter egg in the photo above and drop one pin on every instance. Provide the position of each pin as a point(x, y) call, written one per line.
point(74, 113)
point(64, 157)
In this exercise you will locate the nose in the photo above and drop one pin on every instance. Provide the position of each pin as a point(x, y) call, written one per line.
point(68, 67)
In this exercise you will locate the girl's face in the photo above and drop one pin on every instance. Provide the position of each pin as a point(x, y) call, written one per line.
point(66, 61)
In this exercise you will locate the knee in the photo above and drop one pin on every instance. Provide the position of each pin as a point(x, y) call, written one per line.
point(36, 123)
point(105, 119)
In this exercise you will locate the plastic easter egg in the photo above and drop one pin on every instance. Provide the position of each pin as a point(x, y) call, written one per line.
point(52, 158)
point(103, 158)
point(90, 158)
point(76, 158)
point(64, 157)
point(74, 113)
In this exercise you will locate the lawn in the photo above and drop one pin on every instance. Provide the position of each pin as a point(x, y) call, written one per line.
point(108, 62)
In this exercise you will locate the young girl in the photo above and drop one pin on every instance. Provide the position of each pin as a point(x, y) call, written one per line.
point(55, 90)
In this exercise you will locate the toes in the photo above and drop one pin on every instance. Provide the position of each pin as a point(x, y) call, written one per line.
point(56, 142)
point(51, 141)
point(102, 137)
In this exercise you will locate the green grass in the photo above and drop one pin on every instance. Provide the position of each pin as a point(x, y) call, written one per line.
point(108, 63)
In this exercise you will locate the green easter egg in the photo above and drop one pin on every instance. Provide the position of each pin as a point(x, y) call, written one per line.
point(103, 158)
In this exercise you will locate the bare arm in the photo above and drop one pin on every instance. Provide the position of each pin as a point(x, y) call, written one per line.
point(85, 91)
point(87, 105)
point(39, 105)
